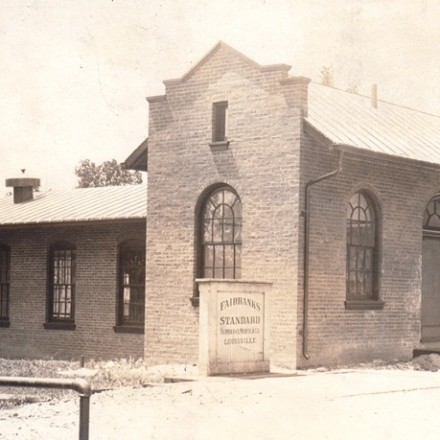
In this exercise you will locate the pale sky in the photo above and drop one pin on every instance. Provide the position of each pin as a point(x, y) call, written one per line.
point(75, 73)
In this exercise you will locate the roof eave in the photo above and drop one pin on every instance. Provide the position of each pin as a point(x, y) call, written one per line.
point(138, 159)
point(79, 222)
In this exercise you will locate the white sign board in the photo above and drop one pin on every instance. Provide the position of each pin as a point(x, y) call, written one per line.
point(233, 327)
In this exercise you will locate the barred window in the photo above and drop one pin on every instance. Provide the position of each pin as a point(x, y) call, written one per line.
point(131, 295)
point(4, 282)
point(221, 241)
point(361, 249)
point(61, 295)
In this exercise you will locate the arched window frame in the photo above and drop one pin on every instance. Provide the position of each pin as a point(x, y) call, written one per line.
point(431, 217)
point(130, 311)
point(5, 269)
point(61, 276)
point(219, 234)
point(362, 255)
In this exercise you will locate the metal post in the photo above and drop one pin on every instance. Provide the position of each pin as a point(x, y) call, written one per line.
point(81, 386)
point(84, 411)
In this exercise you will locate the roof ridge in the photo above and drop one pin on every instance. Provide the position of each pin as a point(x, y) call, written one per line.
point(378, 100)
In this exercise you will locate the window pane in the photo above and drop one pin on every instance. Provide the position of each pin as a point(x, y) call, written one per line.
point(209, 256)
point(207, 231)
point(360, 283)
point(219, 261)
point(369, 285)
point(229, 273)
point(368, 259)
point(229, 256)
point(217, 236)
point(352, 258)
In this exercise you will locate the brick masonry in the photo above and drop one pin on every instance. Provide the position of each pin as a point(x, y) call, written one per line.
point(401, 190)
point(96, 290)
point(269, 160)
point(261, 164)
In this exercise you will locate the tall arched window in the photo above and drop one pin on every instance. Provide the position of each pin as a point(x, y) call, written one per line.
point(221, 241)
point(131, 292)
point(4, 283)
point(361, 248)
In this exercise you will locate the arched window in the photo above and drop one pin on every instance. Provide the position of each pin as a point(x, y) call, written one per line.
point(131, 292)
point(61, 285)
point(221, 240)
point(4, 283)
point(431, 219)
point(361, 248)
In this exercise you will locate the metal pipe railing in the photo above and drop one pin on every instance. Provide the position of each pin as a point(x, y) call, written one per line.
point(81, 386)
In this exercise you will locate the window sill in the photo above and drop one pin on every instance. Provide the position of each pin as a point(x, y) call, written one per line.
point(364, 305)
point(4, 323)
point(195, 301)
point(219, 146)
point(59, 325)
point(128, 329)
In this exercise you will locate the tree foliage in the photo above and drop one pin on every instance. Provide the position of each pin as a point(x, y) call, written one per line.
point(109, 173)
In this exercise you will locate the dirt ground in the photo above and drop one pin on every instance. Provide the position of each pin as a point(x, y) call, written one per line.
point(373, 401)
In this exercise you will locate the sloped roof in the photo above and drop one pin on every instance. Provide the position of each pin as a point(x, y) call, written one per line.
point(138, 159)
point(77, 205)
point(350, 119)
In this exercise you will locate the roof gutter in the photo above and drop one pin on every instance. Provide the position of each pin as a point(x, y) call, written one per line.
point(306, 214)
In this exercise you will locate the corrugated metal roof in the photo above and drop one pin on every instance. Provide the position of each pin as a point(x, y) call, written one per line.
point(77, 205)
point(348, 118)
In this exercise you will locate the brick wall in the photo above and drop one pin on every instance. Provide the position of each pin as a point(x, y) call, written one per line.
point(261, 164)
point(96, 287)
point(401, 190)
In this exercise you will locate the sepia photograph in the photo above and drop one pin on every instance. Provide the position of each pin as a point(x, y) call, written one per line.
point(219, 219)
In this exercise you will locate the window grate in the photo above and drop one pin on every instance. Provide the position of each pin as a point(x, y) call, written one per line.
point(361, 248)
point(221, 243)
point(62, 282)
point(131, 300)
point(4, 282)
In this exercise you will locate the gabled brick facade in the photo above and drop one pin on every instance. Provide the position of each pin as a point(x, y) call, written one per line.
point(268, 160)
point(261, 163)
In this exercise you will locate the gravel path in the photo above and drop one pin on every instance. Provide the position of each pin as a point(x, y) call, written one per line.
point(340, 404)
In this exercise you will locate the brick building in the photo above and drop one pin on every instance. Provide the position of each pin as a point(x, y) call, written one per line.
point(72, 272)
point(253, 174)
point(329, 195)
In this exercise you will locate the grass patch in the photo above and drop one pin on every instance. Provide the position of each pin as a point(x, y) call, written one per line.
point(101, 375)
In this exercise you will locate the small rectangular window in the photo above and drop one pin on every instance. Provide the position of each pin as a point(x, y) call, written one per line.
point(219, 121)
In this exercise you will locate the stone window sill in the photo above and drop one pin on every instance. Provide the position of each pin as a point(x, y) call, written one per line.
point(364, 305)
point(128, 329)
point(219, 146)
point(4, 323)
point(195, 301)
point(59, 325)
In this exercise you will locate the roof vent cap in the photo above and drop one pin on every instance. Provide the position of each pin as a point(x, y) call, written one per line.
point(23, 188)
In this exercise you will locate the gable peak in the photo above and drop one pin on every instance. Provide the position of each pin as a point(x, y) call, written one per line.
point(235, 52)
